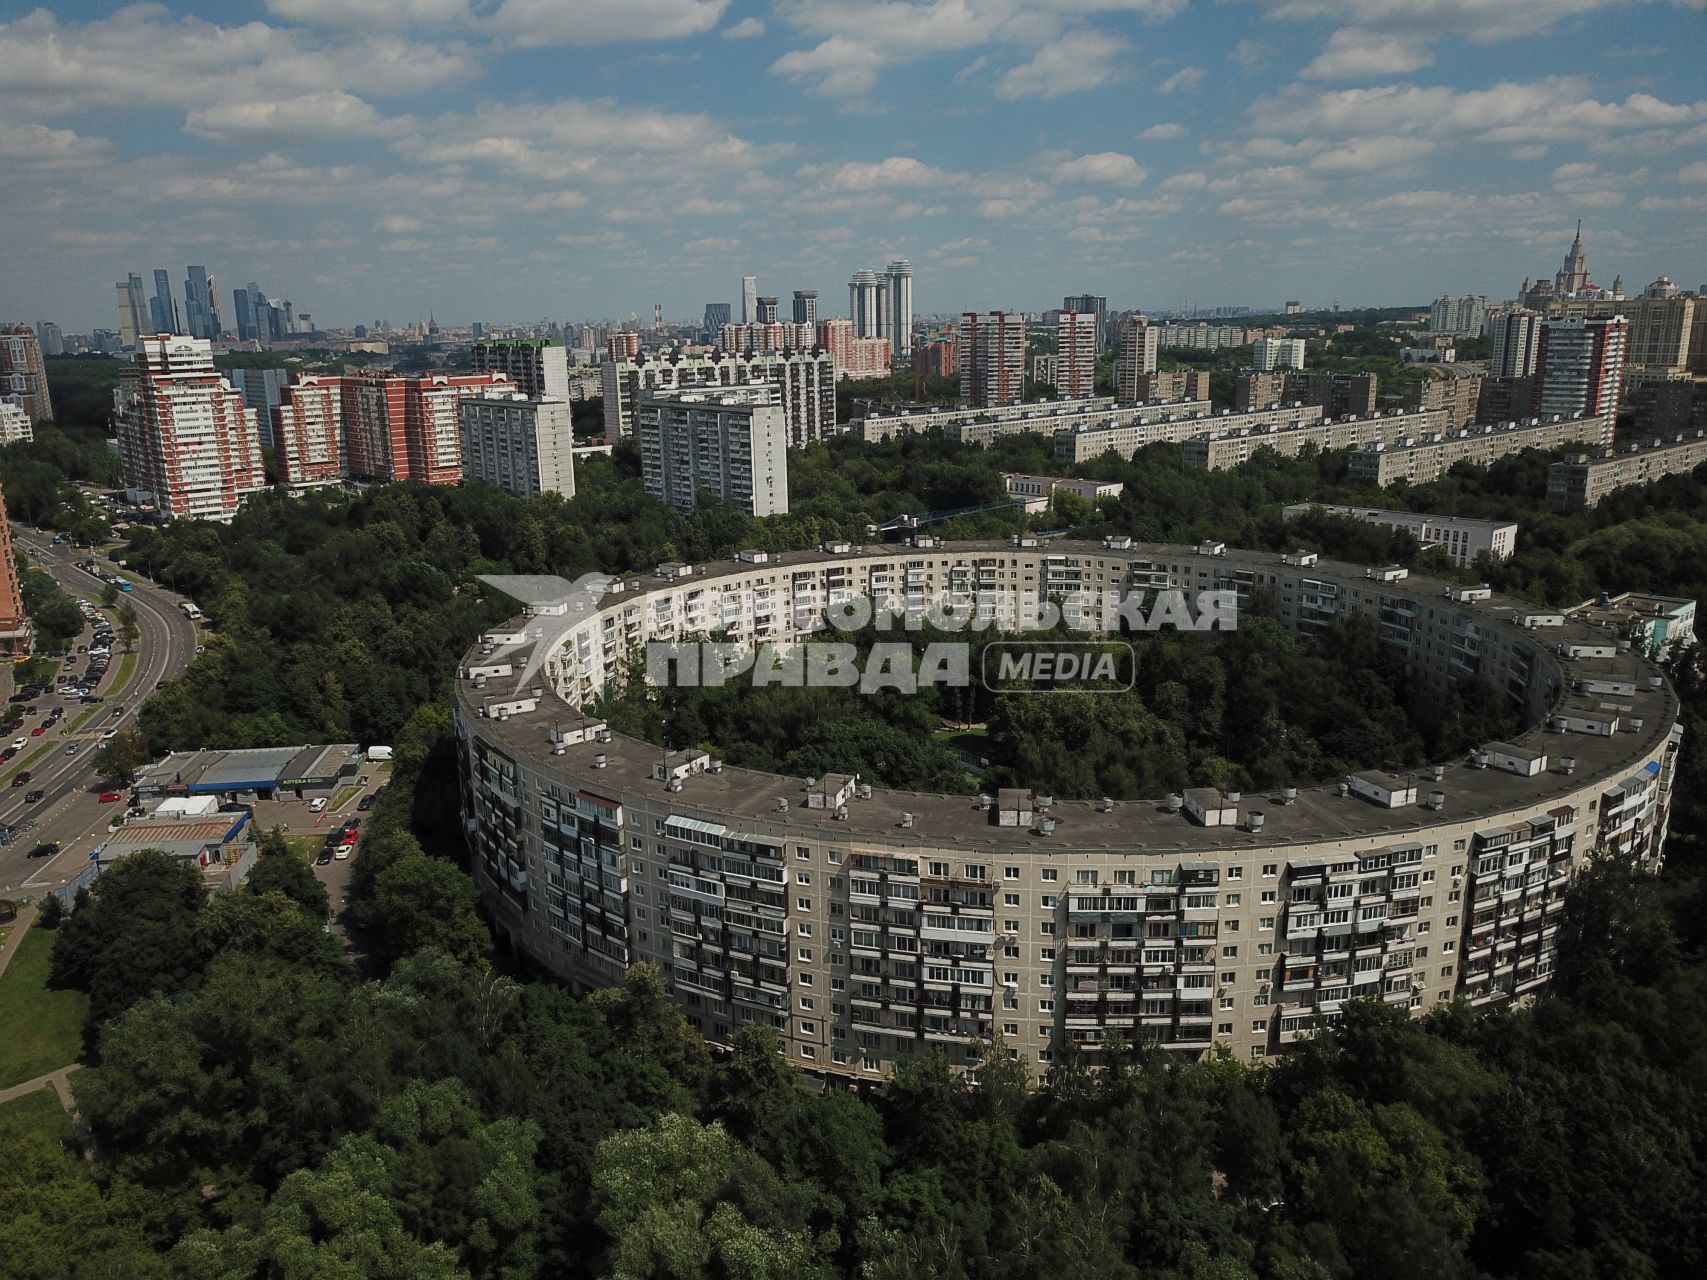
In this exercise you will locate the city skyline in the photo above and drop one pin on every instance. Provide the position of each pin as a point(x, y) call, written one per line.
point(481, 161)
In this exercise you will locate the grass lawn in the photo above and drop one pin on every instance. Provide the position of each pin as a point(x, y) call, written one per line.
point(127, 668)
point(19, 765)
point(37, 1112)
point(344, 797)
point(308, 847)
point(43, 1029)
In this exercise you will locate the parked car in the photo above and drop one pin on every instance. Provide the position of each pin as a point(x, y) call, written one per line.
point(317, 805)
point(342, 853)
point(20, 744)
point(39, 730)
point(109, 797)
point(8, 753)
point(364, 804)
point(324, 858)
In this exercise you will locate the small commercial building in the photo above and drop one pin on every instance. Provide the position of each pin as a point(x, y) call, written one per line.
point(262, 773)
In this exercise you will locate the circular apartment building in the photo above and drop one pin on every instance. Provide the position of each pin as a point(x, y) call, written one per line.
point(867, 924)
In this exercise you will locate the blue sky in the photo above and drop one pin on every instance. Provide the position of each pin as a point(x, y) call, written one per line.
point(513, 159)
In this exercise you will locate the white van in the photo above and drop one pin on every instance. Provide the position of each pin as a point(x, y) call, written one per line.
point(317, 805)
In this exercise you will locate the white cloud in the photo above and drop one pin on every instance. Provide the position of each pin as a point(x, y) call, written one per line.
point(1078, 60)
point(1186, 78)
point(1250, 55)
point(1185, 182)
point(551, 22)
point(1359, 156)
point(35, 146)
point(885, 175)
point(397, 224)
point(390, 14)
point(1110, 168)
point(1356, 53)
point(1696, 172)
point(310, 116)
point(837, 68)
point(1529, 151)
point(697, 206)
point(746, 29)
point(1162, 132)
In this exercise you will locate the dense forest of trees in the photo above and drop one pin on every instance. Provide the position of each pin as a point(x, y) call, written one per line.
point(257, 1109)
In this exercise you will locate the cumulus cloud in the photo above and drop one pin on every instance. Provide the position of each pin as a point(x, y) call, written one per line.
point(1696, 172)
point(1356, 53)
point(885, 175)
point(836, 68)
point(746, 29)
point(313, 115)
point(550, 22)
point(1186, 78)
point(1110, 168)
point(1162, 132)
point(1078, 60)
point(35, 146)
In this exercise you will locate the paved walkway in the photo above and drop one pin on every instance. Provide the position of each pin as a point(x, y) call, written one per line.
point(57, 1079)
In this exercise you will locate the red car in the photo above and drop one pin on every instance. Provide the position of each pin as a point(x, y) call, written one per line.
point(350, 837)
point(38, 731)
point(108, 797)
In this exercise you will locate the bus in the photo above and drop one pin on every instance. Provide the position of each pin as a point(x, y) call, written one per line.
point(123, 584)
point(190, 611)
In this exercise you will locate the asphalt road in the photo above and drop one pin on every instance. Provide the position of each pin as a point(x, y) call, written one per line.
point(71, 811)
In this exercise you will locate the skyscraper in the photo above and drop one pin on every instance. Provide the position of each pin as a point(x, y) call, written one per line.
point(201, 311)
point(717, 314)
point(162, 311)
point(1465, 314)
point(1573, 275)
point(186, 440)
point(766, 311)
point(866, 304)
point(244, 313)
point(805, 306)
point(1514, 336)
point(991, 354)
point(1579, 368)
point(1136, 358)
point(749, 299)
point(899, 321)
point(23, 377)
point(1075, 355)
point(133, 311)
point(52, 338)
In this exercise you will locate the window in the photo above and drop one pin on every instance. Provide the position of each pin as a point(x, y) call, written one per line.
point(802, 877)
point(1270, 869)
point(939, 870)
point(808, 1028)
point(1451, 922)
point(805, 930)
point(1422, 926)
point(1049, 873)
point(1446, 971)
point(835, 857)
point(1010, 926)
point(1047, 928)
point(1267, 922)
point(1226, 1004)
point(1085, 878)
point(1223, 1028)
point(803, 853)
point(1010, 1028)
point(1229, 953)
point(805, 954)
point(806, 1002)
point(1258, 1028)
point(807, 1051)
point(974, 872)
point(805, 904)
point(1010, 873)
point(1233, 899)
point(1046, 1006)
point(1269, 895)
point(1125, 877)
point(1231, 926)
point(1228, 979)
point(1266, 948)
point(1047, 901)
point(1235, 873)
point(1447, 948)
point(1045, 979)
point(1046, 954)
point(1010, 977)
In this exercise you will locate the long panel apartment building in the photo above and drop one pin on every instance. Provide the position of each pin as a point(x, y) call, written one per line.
point(1230, 446)
point(1582, 481)
point(805, 382)
point(518, 443)
point(980, 426)
point(1421, 461)
point(868, 926)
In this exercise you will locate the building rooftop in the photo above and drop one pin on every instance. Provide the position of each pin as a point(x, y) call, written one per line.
point(1470, 792)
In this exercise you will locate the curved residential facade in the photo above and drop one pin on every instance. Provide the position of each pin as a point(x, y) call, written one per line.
point(868, 924)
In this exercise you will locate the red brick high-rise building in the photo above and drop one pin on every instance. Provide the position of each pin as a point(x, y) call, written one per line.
point(15, 628)
point(23, 376)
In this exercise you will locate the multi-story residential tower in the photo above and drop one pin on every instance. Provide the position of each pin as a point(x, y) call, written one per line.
point(767, 311)
point(1660, 329)
point(52, 338)
point(730, 442)
point(1094, 305)
point(15, 426)
point(898, 280)
point(806, 382)
point(1579, 367)
point(1515, 336)
point(805, 306)
point(991, 356)
point(749, 299)
point(23, 376)
point(854, 357)
point(1458, 397)
point(1277, 353)
point(407, 428)
point(1460, 315)
point(187, 442)
point(868, 926)
point(1075, 354)
point(867, 302)
point(538, 366)
point(15, 629)
point(1135, 358)
point(308, 432)
point(133, 311)
point(518, 443)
